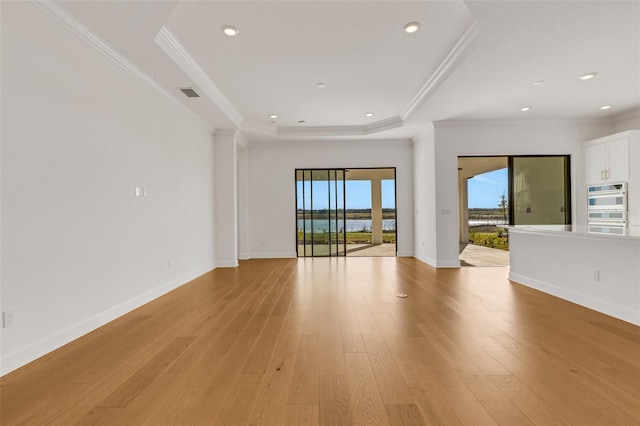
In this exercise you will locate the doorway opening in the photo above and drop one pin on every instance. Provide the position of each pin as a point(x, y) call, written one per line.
point(345, 212)
point(498, 191)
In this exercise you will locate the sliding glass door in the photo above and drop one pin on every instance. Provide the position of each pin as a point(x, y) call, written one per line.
point(320, 198)
point(540, 190)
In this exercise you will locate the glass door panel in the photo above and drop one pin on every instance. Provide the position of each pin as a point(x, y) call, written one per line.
point(341, 236)
point(540, 190)
point(319, 223)
point(304, 224)
point(332, 214)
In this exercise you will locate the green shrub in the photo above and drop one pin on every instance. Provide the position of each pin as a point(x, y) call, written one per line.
point(498, 240)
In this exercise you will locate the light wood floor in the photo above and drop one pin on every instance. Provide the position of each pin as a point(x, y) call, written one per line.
point(325, 341)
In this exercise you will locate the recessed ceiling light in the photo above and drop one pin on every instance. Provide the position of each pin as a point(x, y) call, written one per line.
point(412, 27)
point(321, 85)
point(538, 82)
point(526, 108)
point(369, 114)
point(605, 107)
point(302, 122)
point(273, 116)
point(588, 76)
point(230, 31)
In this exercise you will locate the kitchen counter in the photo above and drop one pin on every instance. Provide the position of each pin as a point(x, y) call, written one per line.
point(599, 270)
point(581, 231)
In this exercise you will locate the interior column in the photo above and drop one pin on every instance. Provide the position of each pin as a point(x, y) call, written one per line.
point(226, 202)
point(463, 203)
point(376, 211)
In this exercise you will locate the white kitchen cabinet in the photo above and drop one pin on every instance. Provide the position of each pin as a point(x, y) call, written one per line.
point(615, 159)
point(607, 161)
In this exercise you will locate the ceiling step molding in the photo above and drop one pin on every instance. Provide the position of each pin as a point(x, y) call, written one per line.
point(340, 131)
point(176, 51)
point(444, 69)
point(60, 15)
point(381, 125)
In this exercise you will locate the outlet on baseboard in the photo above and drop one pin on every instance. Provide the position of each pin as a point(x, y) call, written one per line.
point(8, 318)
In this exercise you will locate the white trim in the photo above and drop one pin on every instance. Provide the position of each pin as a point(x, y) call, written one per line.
point(386, 124)
point(240, 139)
point(58, 14)
point(337, 131)
point(244, 256)
point(448, 263)
point(404, 254)
point(273, 255)
point(262, 130)
point(429, 261)
point(176, 51)
point(619, 135)
point(438, 264)
point(227, 264)
point(616, 311)
point(35, 350)
point(507, 122)
point(444, 70)
point(224, 132)
point(267, 144)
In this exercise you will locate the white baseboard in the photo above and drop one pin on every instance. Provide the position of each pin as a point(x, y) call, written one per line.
point(244, 256)
point(273, 255)
point(611, 309)
point(405, 254)
point(448, 264)
point(35, 350)
point(429, 261)
point(438, 264)
point(227, 264)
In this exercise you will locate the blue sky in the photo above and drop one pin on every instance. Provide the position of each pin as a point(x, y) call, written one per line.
point(358, 194)
point(486, 189)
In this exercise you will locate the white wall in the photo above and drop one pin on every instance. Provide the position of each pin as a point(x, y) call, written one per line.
point(424, 196)
point(627, 122)
point(564, 263)
point(272, 216)
point(454, 139)
point(243, 197)
point(78, 134)
point(226, 201)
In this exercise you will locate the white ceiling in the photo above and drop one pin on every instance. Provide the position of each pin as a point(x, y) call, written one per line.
point(469, 61)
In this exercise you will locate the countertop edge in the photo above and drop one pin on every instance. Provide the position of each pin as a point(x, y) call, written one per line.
point(576, 234)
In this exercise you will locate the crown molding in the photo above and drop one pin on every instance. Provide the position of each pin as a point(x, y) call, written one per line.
point(506, 122)
point(61, 16)
point(381, 125)
point(444, 70)
point(177, 52)
point(259, 128)
point(337, 131)
point(329, 143)
point(241, 140)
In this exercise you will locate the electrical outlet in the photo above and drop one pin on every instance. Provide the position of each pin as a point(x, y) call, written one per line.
point(8, 319)
point(595, 276)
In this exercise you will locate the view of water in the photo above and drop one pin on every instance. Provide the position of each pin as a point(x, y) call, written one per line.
point(353, 225)
point(479, 222)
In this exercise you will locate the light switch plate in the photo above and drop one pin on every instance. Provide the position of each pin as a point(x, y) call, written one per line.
point(8, 318)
